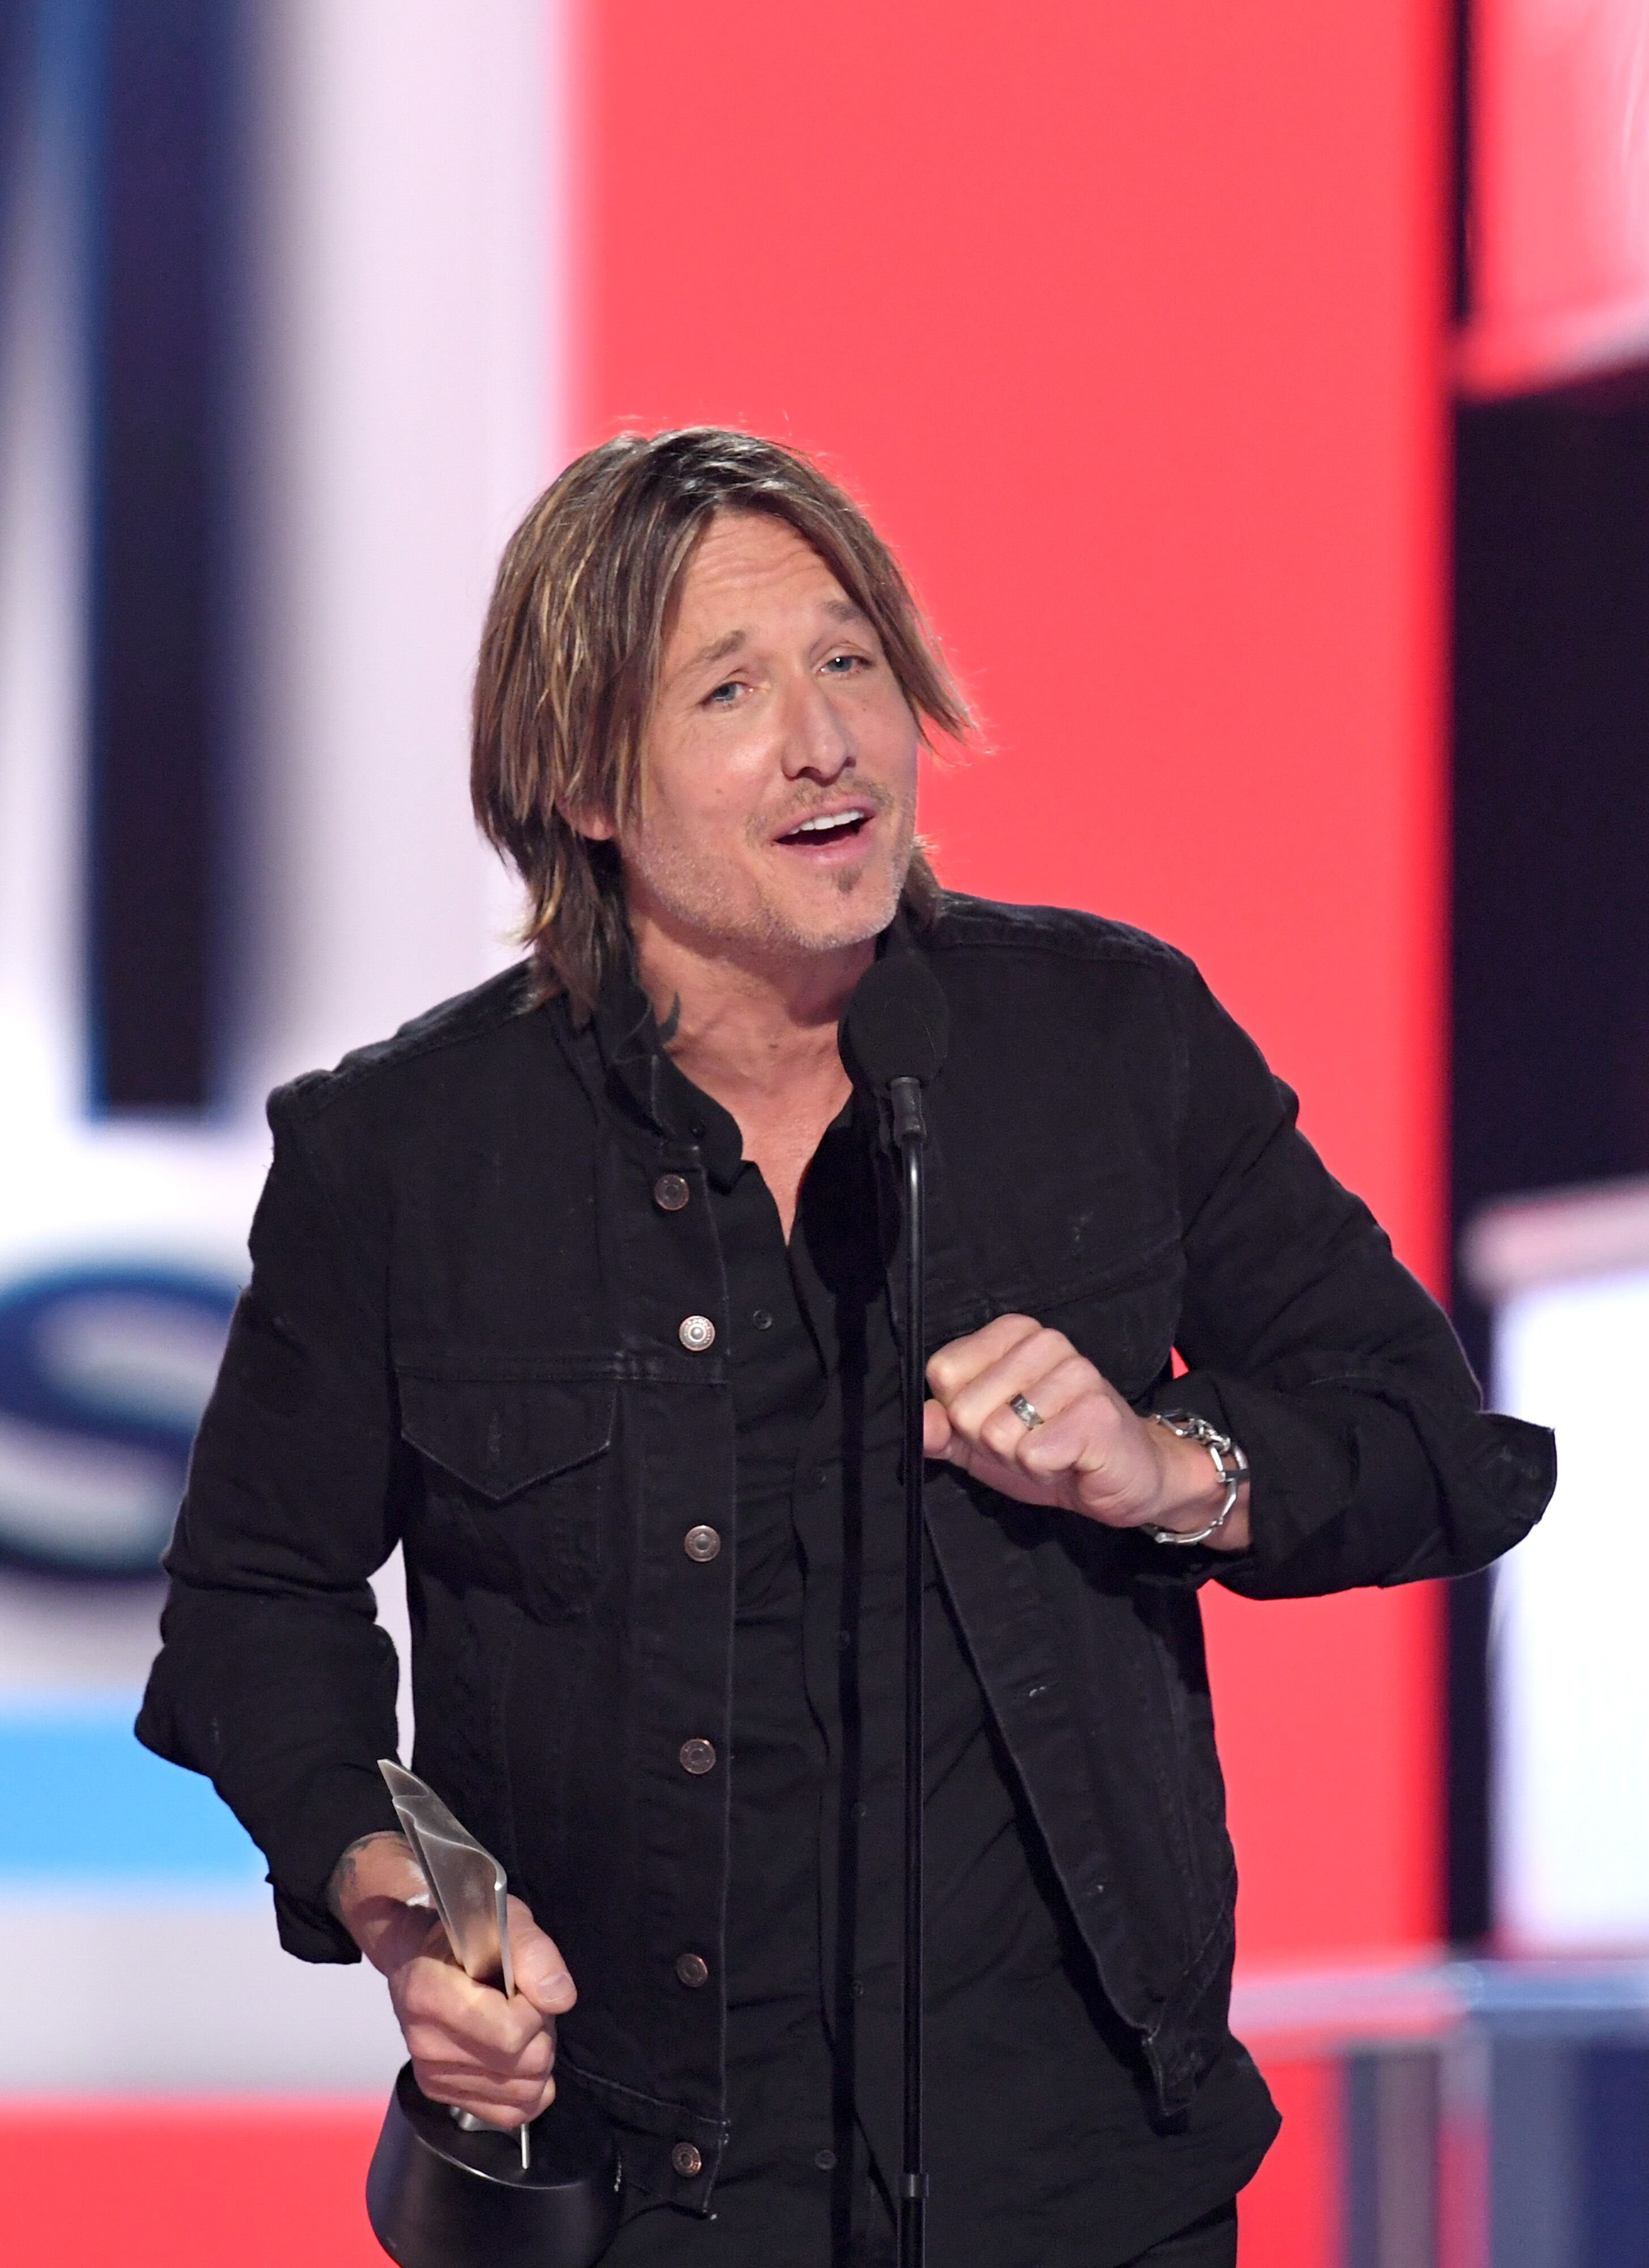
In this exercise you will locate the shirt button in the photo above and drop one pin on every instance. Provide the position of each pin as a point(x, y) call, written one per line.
point(825, 2160)
point(701, 1544)
point(698, 1757)
point(696, 1333)
point(686, 2159)
point(762, 1320)
point(692, 1969)
point(670, 1193)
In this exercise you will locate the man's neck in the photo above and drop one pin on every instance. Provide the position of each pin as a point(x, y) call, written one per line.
point(747, 1026)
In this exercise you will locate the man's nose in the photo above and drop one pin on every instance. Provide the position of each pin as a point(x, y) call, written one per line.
point(818, 742)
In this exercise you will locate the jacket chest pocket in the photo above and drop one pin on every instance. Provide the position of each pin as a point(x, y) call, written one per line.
point(517, 1473)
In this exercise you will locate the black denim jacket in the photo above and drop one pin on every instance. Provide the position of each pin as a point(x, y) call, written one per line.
point(468, 1331)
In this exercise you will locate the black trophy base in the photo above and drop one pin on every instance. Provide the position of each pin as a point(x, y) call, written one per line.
point(439, 2197)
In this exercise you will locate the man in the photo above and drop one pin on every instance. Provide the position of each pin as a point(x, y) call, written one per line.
point(577, 1288)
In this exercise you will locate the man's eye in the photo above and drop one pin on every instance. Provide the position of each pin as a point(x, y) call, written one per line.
point(722, 696)
point(845, 665)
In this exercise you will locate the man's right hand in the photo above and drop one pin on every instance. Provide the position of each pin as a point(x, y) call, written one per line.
point(470, 2045)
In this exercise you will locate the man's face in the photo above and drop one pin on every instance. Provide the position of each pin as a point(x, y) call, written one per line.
point(778, 769)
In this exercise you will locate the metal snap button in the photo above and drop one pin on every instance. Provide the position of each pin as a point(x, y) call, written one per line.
point(763, 1319)
point(696, 1333)
point(697, 1757)
point(686, 2159)
point(825, 2160)
point(692, 1968)
point(670, 1192)
point(702, 1543)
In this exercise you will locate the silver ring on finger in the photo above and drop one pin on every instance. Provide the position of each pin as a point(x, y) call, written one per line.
point(1028, 1415)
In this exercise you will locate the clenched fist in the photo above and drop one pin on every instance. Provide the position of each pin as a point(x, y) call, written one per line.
point(1091, 1454)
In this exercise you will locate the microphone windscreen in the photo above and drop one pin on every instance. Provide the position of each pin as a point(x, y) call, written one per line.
point(897, 1025)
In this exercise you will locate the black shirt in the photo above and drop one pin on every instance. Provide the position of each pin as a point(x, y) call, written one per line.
point(1042, 2148)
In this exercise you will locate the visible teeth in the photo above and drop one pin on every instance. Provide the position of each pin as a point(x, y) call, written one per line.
point(823, 825)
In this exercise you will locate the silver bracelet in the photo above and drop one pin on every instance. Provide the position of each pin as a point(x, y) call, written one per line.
point(1229, 1463)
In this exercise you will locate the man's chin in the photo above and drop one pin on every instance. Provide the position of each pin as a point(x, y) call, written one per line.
point(854, 913)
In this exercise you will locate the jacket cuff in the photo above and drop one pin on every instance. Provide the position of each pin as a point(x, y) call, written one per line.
point(1361, 1479)
point(311, 1932)
point(340, 1806)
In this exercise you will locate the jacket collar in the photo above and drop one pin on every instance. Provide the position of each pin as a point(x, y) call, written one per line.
point(641, 1078)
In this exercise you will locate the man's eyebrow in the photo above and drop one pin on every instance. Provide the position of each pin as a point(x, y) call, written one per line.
point(839, 610)
point(718, 650)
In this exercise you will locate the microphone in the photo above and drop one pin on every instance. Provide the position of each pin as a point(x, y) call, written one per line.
point(893, 1037)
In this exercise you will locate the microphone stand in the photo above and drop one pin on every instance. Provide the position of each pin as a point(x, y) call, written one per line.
point(909, 1132)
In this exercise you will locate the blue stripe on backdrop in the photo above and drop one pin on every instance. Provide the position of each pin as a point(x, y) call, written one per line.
point(80, 1801)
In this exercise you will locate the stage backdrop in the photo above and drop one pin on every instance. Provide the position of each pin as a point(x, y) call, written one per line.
point(1125, 323)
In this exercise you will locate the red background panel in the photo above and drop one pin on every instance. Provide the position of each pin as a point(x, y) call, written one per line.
point(253, 2182)
point(229, 2183)
point(1125, 322)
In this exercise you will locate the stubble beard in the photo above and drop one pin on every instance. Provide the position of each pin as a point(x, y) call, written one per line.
point(698, 895)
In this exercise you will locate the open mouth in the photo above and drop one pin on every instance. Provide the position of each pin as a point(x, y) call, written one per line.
point(826, 826)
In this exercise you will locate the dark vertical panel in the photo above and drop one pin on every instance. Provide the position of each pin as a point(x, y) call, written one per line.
point(16, 26)
point(1551, 907)
point(158, 375)
point(1359, 2192)
point(1390, 2125)
point(1551, 955)
point(1469, 1778)
point(1535, 2163)
point(1614, 2124)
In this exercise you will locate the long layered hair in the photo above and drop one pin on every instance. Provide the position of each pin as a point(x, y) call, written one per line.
point(569, 656)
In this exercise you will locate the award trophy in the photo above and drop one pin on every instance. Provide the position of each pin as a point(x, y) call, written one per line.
point(444, 2190)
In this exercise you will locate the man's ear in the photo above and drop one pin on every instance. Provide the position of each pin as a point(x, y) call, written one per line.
point(595, 826)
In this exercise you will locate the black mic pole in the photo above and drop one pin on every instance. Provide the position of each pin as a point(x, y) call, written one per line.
point(894, 1035)
point(909, 1130)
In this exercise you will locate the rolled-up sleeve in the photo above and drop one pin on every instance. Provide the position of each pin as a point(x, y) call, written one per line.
point(274, 1677)
point(1372, 1458)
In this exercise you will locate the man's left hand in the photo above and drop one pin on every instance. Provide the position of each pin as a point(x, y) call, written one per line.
point(1089, 1454)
